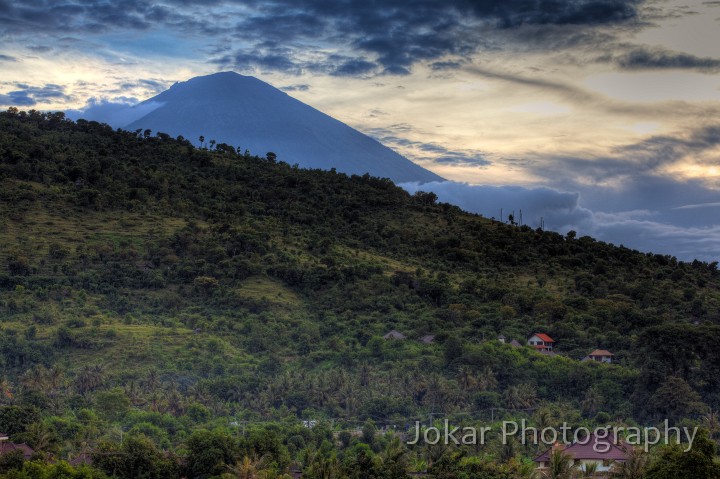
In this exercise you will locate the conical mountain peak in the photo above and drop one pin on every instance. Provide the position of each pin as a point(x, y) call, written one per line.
point(248, 113)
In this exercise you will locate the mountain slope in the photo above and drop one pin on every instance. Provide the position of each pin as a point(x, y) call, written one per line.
point(259, 290)
point(246, 112)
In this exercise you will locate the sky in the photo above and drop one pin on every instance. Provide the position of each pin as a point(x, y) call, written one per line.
point(600, 116)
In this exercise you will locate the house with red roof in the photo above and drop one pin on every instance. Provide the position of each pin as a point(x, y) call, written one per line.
point(589, 450)
point(541, 342)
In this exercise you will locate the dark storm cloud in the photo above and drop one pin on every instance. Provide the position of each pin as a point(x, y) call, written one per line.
point(276, 59)
point(399, 35)
point(394, 35)
point(40, 48)
point(646, 58)
point(354, 67)
point(27, 95)
point(270, 56)
point(7, 58)
point(447, 65)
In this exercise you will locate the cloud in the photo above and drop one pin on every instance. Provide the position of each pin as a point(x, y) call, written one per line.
point(702, 205)
point(7, 58)
point(647, 160)
point(354, 67)
point(557, 209)
point(27, 95)
point(427, 151)
point(645, 230)
point(276, 60)
point(654, 58)
point(299, 87)
point(115, 114)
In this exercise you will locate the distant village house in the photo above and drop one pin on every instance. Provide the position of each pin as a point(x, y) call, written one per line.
point(541, 342)
point(600, 355)
point(394, 335)
point(587, 453)
point(7, 447)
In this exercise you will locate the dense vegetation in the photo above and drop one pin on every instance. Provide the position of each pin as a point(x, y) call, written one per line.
point(159, 297)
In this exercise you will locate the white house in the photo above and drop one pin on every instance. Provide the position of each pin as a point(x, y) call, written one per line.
point(600, 355)
point(541, 342)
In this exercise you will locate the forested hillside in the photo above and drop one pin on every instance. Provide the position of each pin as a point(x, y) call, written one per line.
point(157, 290)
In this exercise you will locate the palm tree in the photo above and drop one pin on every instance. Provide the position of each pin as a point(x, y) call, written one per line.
point(322, 466)
point(561, 466)
point(88, 379)
point(523, 396)
point(6, 395)
point(41, 437)
point(711, 422)
point(418, 464)
point(592, 401)
point(589, 470)
point(634, 467)
point(487, 381)
point(466, 378)
point(246, 468)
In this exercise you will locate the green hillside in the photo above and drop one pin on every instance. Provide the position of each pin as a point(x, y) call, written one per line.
point(147, 286)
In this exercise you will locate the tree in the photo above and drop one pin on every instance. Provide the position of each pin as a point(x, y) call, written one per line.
point(112, 404)
point(368, 432)
point(208, 453)
point(561, 466)
point(589, 470)
point(698, 463)
point(16, 419)
point(137, 457)
point(675, 399)
point(270, 156)
point(635, 466)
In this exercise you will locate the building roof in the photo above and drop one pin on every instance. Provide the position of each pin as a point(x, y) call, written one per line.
point(3, 436)
point(601, 352)
point(544, 337)
point(515, 343)
point(588, 450)
point(394, 335)
point(428, 339)
point(7, 447)
point(82, 458)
